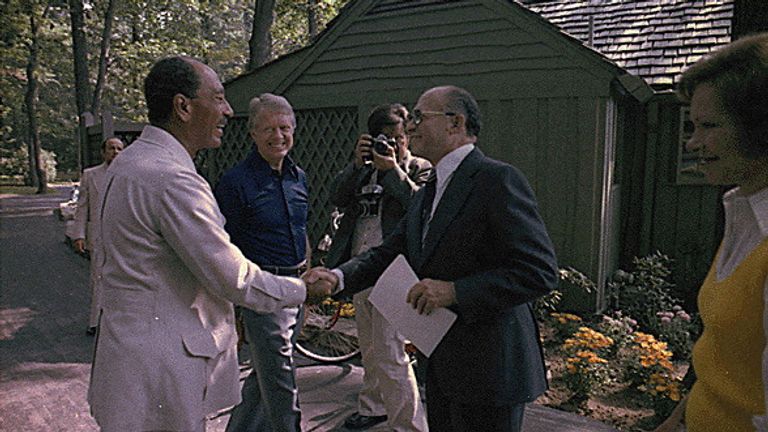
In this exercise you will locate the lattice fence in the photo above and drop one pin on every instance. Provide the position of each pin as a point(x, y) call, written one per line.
point(323, 144)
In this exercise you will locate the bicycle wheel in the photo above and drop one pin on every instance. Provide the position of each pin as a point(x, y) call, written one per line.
point(329, 332)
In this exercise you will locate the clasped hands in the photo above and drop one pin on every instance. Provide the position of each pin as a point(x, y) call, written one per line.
point(320, 282)
point(424, 296)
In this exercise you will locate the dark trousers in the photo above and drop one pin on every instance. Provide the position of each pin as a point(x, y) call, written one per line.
point(446, 414)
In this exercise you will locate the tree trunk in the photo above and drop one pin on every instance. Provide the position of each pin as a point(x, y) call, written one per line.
point(82, 86)
point(312, 18)
point(260, 44)
point(106, 36)
point(36, 171)
point(204, 11)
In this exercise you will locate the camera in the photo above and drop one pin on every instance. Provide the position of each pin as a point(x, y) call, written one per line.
point(381, 145)
point(368, 199)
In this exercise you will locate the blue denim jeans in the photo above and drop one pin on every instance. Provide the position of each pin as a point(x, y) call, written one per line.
point(270, 397)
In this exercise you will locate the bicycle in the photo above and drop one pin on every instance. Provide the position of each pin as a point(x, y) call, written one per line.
point(328, 332)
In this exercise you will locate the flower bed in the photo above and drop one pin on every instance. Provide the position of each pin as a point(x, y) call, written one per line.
point(632, 387)
point(622, 371)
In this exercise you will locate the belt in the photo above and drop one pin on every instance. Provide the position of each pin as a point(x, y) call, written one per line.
point(296, 270)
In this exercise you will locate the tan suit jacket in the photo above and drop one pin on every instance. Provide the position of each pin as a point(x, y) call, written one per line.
point(165, 354)
point(86, 223)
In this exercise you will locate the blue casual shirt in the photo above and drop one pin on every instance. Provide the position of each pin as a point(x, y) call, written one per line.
point(266, 210)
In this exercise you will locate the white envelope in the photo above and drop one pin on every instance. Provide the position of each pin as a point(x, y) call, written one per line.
point(389, 297)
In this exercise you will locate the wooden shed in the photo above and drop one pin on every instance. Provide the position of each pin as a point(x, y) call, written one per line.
point(556, 109)
point(668, 206)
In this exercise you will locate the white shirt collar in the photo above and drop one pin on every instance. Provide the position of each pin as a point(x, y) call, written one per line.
point(757, 203)
point(450, 162)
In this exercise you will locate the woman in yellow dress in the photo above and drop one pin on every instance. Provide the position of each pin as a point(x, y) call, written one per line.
point(728, 93)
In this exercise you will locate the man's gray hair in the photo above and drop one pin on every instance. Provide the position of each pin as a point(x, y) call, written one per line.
point(271, 103)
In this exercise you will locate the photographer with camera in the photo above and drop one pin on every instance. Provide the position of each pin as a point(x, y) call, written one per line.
point(373, 191)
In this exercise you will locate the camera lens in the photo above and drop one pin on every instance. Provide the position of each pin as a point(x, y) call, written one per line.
point(381, 144)
point(380, 147)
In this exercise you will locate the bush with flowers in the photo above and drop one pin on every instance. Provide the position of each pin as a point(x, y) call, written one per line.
point(676, 327)
point(648, 366)
point(619, 327)
point(330, 307)
point(586, 369)
point(564, 325)
point(621, 361)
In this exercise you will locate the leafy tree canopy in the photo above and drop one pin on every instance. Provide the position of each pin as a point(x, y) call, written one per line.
point(216, 31)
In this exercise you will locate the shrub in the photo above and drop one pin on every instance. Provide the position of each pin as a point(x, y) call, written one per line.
point(644, 291)
point(619, 328)
point(676, 327)
point(15, 163)
point(648, 367)
point(585, 368)
point(548, 303)
point(564, 325)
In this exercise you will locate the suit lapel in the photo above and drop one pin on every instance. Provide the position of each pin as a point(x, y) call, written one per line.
point(456, 193)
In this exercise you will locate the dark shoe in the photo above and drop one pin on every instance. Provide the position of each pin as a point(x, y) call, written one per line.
point(91, 331)
point(360, 422)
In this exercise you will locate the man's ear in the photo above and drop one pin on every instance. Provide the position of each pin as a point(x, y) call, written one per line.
point(182, 107)
point(458, 122)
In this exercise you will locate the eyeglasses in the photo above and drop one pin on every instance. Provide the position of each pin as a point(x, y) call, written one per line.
point(418, 115)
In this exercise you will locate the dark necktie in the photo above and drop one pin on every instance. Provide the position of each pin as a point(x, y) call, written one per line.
point(429, 197)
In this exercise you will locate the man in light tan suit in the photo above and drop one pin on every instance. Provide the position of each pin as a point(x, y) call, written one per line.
point(86, 229)
point(165, 355)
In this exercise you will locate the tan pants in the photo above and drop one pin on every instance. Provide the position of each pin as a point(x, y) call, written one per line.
point(389, 385)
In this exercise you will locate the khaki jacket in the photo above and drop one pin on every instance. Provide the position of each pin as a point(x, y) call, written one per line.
point(165, 354)
point(86, 223)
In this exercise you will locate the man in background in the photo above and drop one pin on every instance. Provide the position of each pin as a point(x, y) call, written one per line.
point(264, 200)
point(85, 229)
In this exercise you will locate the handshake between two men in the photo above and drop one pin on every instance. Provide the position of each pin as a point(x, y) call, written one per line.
point(424, 296)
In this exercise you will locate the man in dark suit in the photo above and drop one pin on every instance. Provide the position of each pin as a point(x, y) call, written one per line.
point(477, 243)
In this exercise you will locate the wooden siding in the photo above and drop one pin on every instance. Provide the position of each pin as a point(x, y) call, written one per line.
point(682, 221)
point(556, 143)
point(543, 98)
point(466, 44)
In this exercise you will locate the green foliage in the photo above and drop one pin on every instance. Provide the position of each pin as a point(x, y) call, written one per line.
point(290, 30)
point(619, 328)
point(564, 326)
point(216, 31)
point(643, 291)
point(648, 366)
point(14, 164)
point(640, 353)
point(548, 303)
point(678, 329)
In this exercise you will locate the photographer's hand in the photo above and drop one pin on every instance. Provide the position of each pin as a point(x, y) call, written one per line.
point(363, 150)
point(385, 162)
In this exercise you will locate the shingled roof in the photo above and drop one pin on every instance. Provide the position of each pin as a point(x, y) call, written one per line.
point(655, 40)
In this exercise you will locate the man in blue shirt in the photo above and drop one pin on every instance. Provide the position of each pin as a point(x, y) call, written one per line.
point(264, 199)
